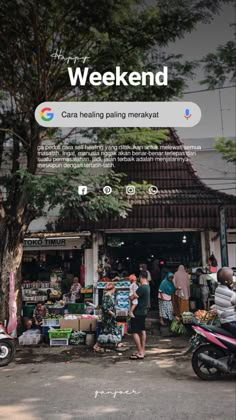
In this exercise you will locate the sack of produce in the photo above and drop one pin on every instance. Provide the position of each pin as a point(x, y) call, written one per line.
point(178, 328)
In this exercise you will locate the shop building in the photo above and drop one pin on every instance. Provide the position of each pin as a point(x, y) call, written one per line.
point(179, 224)
point(50, 254)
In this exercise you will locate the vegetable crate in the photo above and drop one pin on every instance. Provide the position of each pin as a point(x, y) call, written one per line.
point(51, 322)
point(60, 334)
point(187, 319)
point(76, 308)
point(56, 311)
point(59, 341)
point(89, 291)
point(46, 329)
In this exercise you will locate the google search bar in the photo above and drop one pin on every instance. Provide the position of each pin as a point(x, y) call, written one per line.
point(118, 114)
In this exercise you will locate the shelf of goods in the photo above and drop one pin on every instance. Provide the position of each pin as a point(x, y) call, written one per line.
point(121, 296)
point(34, 299)
point(51, 322)
point(34, 292)
point(36, 285)
point(87, 293)
point(124, 284)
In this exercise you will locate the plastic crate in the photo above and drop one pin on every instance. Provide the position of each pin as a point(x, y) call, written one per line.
point(46, 329)
point(59, 341)
point(51, 322)
point(56, 311)
point(29, 339)
point(66, 333)
point(76, 308)
point(88, 295)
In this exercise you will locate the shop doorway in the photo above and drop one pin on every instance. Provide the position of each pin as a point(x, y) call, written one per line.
point(158, 250)
point(40, 265)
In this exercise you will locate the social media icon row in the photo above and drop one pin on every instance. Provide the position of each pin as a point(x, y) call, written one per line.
point(129, 189)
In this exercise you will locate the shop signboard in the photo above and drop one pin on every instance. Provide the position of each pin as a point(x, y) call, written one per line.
point(37, 244)
point(223, 238)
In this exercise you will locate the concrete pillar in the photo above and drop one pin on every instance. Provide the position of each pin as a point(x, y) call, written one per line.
point(95, 257)
point(88, 261)
point(203, 248)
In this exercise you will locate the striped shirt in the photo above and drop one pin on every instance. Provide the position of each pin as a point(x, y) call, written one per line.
point(225, 301)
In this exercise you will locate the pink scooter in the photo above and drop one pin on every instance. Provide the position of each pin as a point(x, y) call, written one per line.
point(7, 347)
point(214, 352)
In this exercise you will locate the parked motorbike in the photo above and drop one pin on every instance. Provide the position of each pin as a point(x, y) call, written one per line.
point(214, 352)
point(7, 347)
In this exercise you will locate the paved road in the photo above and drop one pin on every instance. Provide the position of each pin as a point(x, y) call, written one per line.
point(164, 388)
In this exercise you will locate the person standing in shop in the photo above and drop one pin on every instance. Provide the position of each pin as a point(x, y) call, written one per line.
point(166, 290)
point(182, 293)
point(156, 280)
point(74, 290)
point(138, 322)
point(143, 267)
point(203, 280)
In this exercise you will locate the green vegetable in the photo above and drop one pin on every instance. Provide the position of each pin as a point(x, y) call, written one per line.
point(178, 328)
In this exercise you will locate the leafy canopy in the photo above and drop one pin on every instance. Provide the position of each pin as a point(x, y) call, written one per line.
point(129, 33)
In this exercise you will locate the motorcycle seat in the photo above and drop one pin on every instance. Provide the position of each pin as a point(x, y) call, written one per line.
point(219, 330)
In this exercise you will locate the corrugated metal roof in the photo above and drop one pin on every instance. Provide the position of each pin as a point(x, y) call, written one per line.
point(183, 201)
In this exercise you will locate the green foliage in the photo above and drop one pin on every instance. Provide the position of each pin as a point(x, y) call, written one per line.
point(177, 327)
point(128, 136)
point(62, 189)
point(227, 147)
point(220, 67)
point(129, 33)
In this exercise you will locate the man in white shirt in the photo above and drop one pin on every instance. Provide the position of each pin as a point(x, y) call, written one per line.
point(225, 299)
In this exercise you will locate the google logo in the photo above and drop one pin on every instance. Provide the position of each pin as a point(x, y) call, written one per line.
point(46, 115)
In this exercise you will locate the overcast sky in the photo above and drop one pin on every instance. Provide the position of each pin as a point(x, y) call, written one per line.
point(197, 44)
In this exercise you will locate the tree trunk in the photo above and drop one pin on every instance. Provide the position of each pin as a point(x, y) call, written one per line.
point(11, 252)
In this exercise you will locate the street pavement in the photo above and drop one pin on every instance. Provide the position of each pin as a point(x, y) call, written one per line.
point(59, 383)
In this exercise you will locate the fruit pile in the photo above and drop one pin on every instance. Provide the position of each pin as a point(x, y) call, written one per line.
point(53, 316)
point(55, 293)
point(205, 316)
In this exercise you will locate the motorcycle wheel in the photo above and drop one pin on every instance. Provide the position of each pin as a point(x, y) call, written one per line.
point(7, 352)
point(204, 372)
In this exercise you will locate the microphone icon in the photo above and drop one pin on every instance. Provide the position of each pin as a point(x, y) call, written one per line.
point(187, 114)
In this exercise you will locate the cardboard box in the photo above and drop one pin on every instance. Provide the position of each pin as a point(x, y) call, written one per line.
point(70, 323)
point(88, 324)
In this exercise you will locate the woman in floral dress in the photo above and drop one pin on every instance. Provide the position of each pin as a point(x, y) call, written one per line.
point(110, 332)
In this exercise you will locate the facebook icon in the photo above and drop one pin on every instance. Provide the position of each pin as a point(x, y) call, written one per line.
point(82, 190)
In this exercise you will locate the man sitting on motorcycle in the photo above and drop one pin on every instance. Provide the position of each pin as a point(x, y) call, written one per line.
point(225, 300)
